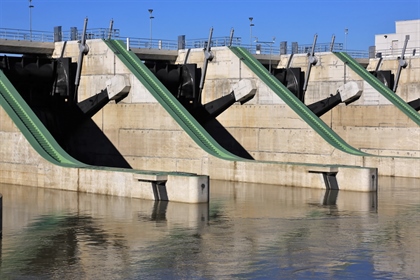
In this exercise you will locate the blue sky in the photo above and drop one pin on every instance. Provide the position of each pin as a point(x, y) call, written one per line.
point(291, 21)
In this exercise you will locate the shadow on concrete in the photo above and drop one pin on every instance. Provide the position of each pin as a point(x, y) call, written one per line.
point(225, 139)
point(79, 136)
point(87, 143)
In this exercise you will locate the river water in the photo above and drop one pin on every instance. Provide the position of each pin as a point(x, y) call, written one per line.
point(247, 231)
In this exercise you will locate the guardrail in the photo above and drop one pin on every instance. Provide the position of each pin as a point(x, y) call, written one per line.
point(397, 52)
point(48, 36)
point(144, 43)
point(358, 54)
point(261, 48)
point(103, 33)
point(26, 35)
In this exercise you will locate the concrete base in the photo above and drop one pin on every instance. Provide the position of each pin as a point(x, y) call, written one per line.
point(20, 164)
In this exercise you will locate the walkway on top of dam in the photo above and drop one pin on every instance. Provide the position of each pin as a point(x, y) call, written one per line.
point(19, 41)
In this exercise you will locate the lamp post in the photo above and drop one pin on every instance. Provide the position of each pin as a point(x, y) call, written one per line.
point(250, 32)
point(30, 19)
point(151, 17)
point(271, 51)
point(346, 31)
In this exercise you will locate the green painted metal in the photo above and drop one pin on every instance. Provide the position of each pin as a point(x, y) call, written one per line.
point(32, 128)
point(294, 103)
point(169, 102)
point(40, 138)
point(379, 86)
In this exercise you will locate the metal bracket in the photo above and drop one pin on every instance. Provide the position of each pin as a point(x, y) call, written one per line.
point(111, 24)
point(84, 49)
point(401, 64)
point(208, 57)
point(379, 64)
point(312, 60)
point(231, 37)
point(332, 43)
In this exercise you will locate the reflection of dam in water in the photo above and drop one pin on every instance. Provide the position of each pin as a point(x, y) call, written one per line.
point(246, 229)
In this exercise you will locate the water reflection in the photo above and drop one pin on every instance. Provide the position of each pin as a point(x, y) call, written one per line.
point(247, 231)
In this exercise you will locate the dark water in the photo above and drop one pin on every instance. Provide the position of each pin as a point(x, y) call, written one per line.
point(247, 231)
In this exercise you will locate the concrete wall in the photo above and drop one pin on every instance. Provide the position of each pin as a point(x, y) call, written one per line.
point(20, 164)
point(269, 130)
point(148, 138)
point(264, 126)
point(409, 83)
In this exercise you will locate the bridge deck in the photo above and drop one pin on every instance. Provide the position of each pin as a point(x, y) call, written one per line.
point(47, 49)
point(26, 47)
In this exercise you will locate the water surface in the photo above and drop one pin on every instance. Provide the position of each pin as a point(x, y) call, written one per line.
point(247, 231)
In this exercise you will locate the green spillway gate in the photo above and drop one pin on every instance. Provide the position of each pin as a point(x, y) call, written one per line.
point(379, 86)
point(40, 138)
point(31, 127)
point(294, 103)
point(169, 102)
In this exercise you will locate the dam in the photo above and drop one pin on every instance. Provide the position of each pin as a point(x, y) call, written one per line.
point(101, 116)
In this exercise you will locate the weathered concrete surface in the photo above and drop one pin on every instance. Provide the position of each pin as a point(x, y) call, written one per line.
point(409, 84)
point(26, 47)
point(148, 138)
point(269, 130)
point(20, 164)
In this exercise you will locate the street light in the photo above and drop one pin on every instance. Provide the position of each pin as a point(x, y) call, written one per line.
point(151, 17)
point(30, 19)
point(346, 31)
point(250, 32)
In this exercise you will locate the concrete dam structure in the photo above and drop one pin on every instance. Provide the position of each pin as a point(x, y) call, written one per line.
point(239, 122)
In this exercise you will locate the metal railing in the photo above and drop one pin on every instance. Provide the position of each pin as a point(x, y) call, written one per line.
point(103, 33)
point(26, 35)
point(396, 52)
point(215, 42)
point(48, 36)
point(95, 33)
point(357, 53)
point(144, 43)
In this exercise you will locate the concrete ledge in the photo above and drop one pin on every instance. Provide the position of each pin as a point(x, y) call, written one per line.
point(189, 189)
point(347, 178)
point(322, 169)
point(351, 178)
point(150, 177)
point(26, 47)
point(186, 188)
point(156, 54)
